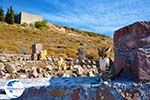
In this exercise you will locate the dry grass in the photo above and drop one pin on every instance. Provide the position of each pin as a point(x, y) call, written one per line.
point(15, 37)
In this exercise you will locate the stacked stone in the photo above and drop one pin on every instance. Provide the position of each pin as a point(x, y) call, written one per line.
point(26, 66)
point(81, 55)
point(49, 68)
point(88, 88)
point(14, 57)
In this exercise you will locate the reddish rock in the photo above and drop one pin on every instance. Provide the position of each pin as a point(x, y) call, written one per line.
point(75, 94)
point(104, 94)
point(132, 50)
point(142, 64)
point(136, 28)
point(58, 92)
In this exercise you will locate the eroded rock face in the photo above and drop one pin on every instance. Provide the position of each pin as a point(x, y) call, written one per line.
point(132, 50)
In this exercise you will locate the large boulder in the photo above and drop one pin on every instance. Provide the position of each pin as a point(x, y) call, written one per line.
point(132, 50)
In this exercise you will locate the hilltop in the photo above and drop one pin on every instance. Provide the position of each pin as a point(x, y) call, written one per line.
point(57, 40)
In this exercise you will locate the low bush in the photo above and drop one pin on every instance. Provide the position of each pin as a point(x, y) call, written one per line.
point(41, 24)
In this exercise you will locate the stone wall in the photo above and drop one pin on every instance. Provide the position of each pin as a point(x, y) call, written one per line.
point(21, 66)
point(87, 88)
point(14, 57)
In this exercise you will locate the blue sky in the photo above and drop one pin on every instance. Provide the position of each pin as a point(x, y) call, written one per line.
point(102, 16)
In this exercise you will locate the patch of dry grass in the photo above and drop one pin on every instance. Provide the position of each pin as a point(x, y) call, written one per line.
point(14, 37)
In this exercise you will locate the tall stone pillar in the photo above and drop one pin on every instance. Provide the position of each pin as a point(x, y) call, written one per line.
point(81, 55)
point(36, 50)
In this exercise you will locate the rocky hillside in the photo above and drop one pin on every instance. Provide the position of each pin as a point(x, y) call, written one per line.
point(57, 40)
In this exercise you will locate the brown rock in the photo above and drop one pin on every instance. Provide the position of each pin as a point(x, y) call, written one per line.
point(35, 73)
point(13, 76)
point(104, 94)
point(3, 59)
point(1, 66)
point(58, 92)
point(132, 50)
point(75, 94)
point(138, 27)
point(34, 57)
point(41, 64)
point(141, 68)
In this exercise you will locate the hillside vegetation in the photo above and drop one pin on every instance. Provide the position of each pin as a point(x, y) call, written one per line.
point(57, 40)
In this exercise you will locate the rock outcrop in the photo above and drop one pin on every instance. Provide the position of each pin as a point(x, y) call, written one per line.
point(132, 50)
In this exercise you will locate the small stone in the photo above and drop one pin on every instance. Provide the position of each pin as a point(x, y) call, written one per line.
point(23, 76)
point(76, 66)
point(2, 73)
point(6, 76)
point(94, 66)
point(39, 70)
point(94, 62)
point(66, 74)
point(49, 67)
point(40, 75)
point(104, 94)
point(28, 69)
point(75, 94)
point(1, 66)
point(49, 59)
point(89, 61)
point(88, 66)
point(13, 75)
point(91, 74)
point(3, 59)
point(10, 68)
point(80, 70)
point(46, 74)
point(74, 75)
point(35, 73)
point(106, 82)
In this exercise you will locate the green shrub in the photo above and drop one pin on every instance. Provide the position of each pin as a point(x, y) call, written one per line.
point(41, 24)
point(32, 25)
point(24, 24)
